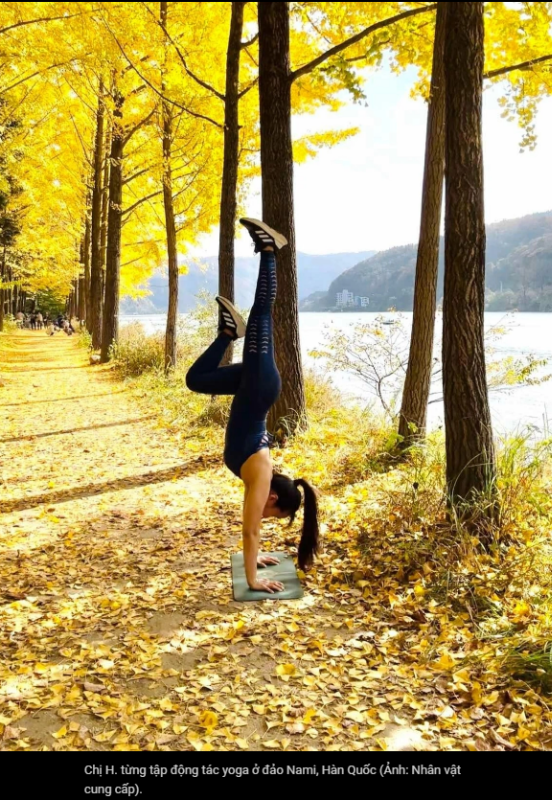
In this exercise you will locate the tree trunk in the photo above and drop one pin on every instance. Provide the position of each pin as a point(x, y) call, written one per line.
point(469, 438)
point(81, 280)
point(82, 299)
point(2, 293)
point(170, 224)
point(9, 291)
point(86, 263)
point(278, 210)
point(110, 332)
point(105, 208)
point(230, 170)
point(417, 385)
point(95, 324)
point(16, 293)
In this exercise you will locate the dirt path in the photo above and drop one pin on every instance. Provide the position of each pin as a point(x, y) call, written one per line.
point(116, 616)
point(117, 627)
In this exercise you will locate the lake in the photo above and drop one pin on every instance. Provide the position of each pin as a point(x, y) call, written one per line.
point(518, 409)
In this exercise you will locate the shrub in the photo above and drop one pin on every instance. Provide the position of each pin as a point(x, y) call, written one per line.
point(138, 352)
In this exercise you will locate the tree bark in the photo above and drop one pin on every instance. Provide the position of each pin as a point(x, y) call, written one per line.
point(15, 301)
point(469, 438)
point(82, 299)
point(170, 224)
point(230, 170)
point(105, 206)
point(9, 291)
point(110, 333)
point(86, 262)
point(2, 292)
point(289, 412)
point(95, 323)
point(413, 417)
point(84, 281)
point(73, 303)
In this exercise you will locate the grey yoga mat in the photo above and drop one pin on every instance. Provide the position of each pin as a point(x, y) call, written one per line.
point(284, 571)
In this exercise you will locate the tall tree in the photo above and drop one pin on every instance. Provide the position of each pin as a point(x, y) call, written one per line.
point(110, 330)
point(275, 84)
point(417, 385)
point(278, 207)
point(170, 223)
point(105, 209)
point(469, 437)
point(231, 158)
point(96, 278)
point(528, 40)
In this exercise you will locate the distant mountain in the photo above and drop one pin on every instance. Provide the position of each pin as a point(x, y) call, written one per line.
point(519, 271)
point(315, 274)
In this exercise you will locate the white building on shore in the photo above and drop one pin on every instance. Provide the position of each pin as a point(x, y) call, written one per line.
point(346, 299)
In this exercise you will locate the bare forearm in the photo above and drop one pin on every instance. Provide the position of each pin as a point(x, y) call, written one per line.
point(250, 555)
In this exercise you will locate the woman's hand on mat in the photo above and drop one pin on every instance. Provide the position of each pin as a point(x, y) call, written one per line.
point(267, 561)
point(271, 587)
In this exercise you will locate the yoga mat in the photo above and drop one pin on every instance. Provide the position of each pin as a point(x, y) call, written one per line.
point(284, 572)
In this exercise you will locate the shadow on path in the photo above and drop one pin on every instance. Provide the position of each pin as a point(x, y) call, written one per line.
point(120, 485)
point(31, 437)
point(61, 399)
point(11, 371)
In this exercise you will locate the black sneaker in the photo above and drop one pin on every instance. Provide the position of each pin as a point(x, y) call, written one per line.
point(230, 318)
point(262, 235)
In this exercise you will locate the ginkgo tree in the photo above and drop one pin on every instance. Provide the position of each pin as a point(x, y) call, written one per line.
point(519, 57)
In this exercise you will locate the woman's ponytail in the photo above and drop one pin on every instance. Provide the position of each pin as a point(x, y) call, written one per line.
point(309, 545)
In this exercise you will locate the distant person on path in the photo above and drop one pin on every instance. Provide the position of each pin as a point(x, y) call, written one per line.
point(256, 385)
point(39, 321)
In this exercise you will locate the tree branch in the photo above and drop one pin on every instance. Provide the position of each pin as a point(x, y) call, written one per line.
point(250, 43)
point(154, 88)
point(37, 21)
point(36, 74)
point(363, 57)
point(85, 149)
point(137, 175)
point(358, 37)
point(496, 73)
point(140, 124)
point(128, 211)
point(181, 56)
point(248, 89)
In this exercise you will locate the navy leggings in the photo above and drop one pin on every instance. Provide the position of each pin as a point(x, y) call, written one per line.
point(255, 383)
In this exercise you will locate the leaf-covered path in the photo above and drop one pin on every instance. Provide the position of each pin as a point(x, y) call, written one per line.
point(117, 625)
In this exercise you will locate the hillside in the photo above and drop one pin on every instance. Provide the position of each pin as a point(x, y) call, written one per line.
point(519, 271)
point(316, 272)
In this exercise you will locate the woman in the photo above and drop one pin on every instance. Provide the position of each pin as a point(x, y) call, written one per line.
point(256, 385)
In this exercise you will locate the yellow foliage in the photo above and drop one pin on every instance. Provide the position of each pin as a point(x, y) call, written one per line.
point(50, 92)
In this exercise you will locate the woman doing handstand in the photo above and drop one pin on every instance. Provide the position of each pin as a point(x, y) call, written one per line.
point(255, 385)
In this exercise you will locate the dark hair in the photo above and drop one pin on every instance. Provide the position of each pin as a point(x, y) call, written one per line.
point(289, 500)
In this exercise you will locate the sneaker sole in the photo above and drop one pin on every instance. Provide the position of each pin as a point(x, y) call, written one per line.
point(279, 240)
point(236, 316)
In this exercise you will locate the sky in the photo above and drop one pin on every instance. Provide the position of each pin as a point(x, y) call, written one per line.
point(365, 193)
